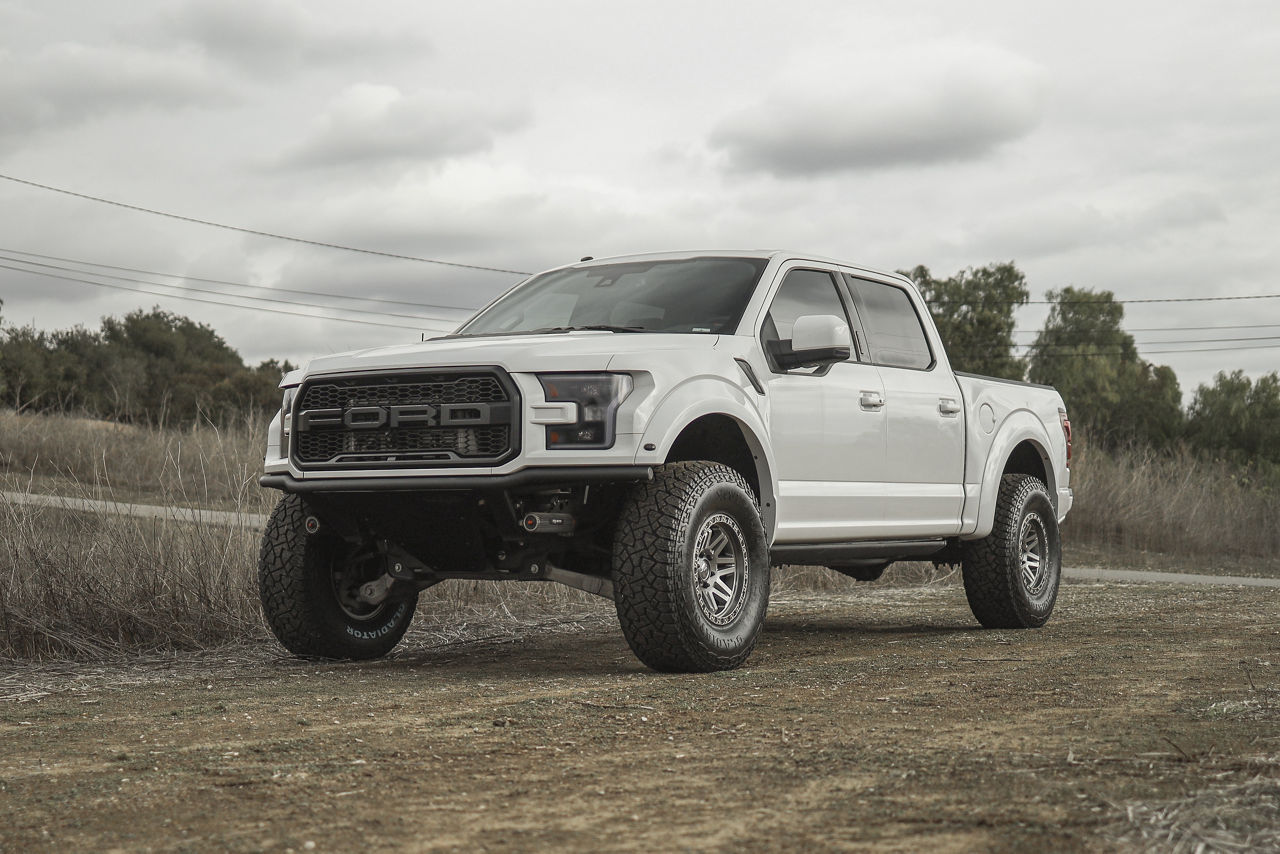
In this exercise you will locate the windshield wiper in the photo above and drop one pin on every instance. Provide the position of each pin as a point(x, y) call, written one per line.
point(547, 330)
point(595, 327)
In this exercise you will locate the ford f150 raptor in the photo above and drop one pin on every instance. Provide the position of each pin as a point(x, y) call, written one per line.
point(659, 430)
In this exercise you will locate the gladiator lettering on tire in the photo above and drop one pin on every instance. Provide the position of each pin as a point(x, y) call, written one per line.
point(305, 582)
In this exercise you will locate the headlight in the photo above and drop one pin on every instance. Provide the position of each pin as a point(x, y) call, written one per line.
point(598, 397)
point(286, 419)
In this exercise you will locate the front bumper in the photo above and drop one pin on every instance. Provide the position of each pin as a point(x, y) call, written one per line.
point(526, 477)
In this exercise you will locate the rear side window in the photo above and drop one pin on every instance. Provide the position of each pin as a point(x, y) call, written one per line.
point(895, 335)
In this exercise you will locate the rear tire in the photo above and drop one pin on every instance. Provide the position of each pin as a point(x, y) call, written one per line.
point(307, 584)
point(1011, 577)
point(691, 569)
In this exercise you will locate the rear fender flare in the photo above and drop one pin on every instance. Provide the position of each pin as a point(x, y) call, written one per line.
point(1020, 426)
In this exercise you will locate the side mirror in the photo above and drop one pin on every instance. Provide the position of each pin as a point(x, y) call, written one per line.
point(816, 339)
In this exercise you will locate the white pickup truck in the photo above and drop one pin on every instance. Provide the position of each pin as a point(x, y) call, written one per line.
point(660, 430)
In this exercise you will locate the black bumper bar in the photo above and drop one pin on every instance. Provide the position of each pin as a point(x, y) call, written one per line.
point(542, 476)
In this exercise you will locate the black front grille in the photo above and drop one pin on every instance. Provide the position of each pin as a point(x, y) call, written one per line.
point(406, 419)
point(394, 391)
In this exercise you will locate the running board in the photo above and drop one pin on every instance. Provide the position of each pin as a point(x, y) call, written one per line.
point(842, 554)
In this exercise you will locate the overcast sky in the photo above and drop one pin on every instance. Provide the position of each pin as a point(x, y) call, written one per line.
point(1123, 145)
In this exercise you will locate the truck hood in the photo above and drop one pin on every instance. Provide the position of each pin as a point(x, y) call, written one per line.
point(585, 350)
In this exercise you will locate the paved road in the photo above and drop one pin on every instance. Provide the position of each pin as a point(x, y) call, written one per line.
point(231, 519)
point(1090, 573)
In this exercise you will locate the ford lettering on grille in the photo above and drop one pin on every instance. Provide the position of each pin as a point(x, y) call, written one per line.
point(417, 418)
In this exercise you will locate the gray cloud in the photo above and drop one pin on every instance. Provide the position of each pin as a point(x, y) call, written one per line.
point(1046, 230)
point(936, 104)
point(277, 35)
point(368, 125)
point(67, 83)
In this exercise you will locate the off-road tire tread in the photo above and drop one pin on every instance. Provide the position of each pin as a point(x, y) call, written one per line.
point(989, 581)
point(287, 603)
point(647, 556)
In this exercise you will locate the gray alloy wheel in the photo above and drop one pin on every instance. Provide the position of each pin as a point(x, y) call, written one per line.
point(720, 569)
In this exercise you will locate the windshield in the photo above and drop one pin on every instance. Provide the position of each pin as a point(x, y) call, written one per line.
point(698, 295)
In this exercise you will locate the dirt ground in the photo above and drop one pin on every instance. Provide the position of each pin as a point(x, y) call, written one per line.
point(880, 719)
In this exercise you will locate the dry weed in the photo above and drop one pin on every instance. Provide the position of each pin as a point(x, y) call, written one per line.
point(1242, 816)
point(1172, 502)
point(205, 465)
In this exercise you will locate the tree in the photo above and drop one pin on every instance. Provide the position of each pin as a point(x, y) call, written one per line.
point(149, 366)
point(973, 311)
point(249, 389)
point(1085, 353)
point(25, 357)
point(165, 364)
point(1237, 417)
point(75, 375)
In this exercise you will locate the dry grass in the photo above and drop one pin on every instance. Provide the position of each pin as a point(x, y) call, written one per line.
point(83, 584)
point(1173, 503)
point(1241, 816)
point(204, 466)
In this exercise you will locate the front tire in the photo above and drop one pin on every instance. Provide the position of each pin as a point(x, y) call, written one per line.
point(691, 569)
point(1011, 577)
point(308, 584)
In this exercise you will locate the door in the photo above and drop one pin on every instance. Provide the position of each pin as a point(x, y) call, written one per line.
point(924, 442)
point(826, 424)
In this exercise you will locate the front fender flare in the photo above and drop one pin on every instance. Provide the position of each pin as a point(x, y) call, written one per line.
point(712, 395)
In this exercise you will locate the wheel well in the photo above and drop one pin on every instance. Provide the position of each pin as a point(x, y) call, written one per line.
point(717, 438)
point(1027, 459)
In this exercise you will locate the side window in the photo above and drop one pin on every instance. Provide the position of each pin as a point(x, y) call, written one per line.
point(802, 292)
point(894, 333)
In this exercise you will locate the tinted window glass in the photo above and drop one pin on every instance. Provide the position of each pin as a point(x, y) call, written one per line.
point(894, 333)
point(697, 295)
point(802, 292)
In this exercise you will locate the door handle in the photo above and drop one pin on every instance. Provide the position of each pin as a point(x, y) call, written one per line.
point(871, 400)
point(949, 406)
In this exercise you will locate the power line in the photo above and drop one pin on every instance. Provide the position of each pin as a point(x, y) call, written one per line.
point(1094, 301)
point(1047, 347)
point(207, 291)
point(257, 232)
point(1117, 354)
point(217, 302)
point(1228, 327)
point(232, 284)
